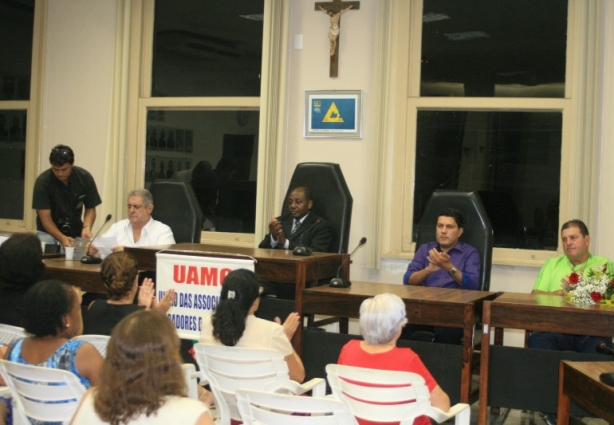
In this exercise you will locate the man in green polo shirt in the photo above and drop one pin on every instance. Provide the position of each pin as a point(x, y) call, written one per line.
point(577, 258)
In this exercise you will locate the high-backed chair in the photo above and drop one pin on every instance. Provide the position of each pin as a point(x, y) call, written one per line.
point(259, 407)
point(388, 396)
point(40, 393)
point(227, 369)
point(477, 232)
point(175, 205)
point(332, 199)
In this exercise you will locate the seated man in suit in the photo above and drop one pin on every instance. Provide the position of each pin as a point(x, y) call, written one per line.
point(301, 227)
point(444, 263)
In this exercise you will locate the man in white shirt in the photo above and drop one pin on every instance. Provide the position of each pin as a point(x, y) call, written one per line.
point(140, 229)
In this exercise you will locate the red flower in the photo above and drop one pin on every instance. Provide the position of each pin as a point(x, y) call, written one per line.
point(596, 296)
point(574, 278)
point(612, 283)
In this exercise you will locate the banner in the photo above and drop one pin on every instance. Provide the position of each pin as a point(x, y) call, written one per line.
point(197, 282)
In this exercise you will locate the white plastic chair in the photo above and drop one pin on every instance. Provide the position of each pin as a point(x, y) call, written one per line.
point(388, 396)
point(98, 341)
point(227, 369)
point(40, 393)
point(189, 374)
point(10, 333)
point(264, 408)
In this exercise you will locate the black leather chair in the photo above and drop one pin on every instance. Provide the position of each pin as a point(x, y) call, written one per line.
point(478, 230)
point(332, 199)
point(175, 205)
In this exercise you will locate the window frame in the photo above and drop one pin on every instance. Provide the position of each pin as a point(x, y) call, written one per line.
point(34, 111)
point(400, 26)
point(139, 23)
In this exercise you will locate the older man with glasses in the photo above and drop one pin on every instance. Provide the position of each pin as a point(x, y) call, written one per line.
point(61, 194)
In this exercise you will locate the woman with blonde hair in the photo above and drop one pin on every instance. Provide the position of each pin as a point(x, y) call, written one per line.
point(120, 274)
point(141, 379)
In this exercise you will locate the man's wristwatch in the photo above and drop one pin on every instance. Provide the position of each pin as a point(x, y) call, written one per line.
point(452, 271)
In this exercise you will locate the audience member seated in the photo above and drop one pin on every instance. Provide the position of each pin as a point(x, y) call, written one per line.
point(300, 227)
point(233, 323)
point(139, 229)
point(141, 380)
point(447, 262)
point(120, 274)
point(21, 266)
point(53, 318)
point(381, 321)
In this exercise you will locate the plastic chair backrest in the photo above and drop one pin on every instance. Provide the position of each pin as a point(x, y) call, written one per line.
point(10, 333)
point(43, 394)
point(98, 341)
point(259, 407)
point(230, 368)
point(387, 396)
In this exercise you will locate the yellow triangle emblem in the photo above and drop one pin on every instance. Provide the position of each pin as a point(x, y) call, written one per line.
point(332, 115)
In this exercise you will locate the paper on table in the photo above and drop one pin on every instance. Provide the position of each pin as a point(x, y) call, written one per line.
point(105, 245)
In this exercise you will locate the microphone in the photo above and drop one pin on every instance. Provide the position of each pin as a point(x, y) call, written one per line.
point(340, 282)
point(301, 249)
point(88, 258)
point(602, 348)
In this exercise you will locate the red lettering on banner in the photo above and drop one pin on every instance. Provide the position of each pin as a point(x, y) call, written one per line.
point(208, 276)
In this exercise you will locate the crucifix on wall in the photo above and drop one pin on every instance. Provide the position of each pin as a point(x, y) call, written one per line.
point(334, 9)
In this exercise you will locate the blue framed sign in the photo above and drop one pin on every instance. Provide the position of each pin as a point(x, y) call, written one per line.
point(333, 113)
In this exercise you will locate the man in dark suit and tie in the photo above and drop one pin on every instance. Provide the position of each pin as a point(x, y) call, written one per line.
point(300, 227)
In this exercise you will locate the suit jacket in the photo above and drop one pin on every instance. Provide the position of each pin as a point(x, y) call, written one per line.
point(315, 233)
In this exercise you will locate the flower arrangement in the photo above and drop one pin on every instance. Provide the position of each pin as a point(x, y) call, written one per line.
point(595, 287)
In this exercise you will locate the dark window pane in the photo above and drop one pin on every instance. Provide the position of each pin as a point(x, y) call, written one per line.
point(513, 159)
point(207, 48)
point(217, 151)
point(12, 163)
point(486, 48)
point(16, 27)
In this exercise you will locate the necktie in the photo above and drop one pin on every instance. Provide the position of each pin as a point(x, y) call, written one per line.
point(296, 225)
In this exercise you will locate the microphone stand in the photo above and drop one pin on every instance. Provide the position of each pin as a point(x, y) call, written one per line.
point(89, 258)
point(341, 282)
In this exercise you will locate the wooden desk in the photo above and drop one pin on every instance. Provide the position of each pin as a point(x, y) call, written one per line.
point(425, 306)
point(85, 276)
point(547, 313)
point(579, 381)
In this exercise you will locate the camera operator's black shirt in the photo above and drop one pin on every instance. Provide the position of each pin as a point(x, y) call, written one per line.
point(66, 202)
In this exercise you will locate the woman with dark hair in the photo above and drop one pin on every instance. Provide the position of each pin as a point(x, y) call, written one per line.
point(233, 323)
point(120, 274)
point(21, 266)
point(141, 380)
point(53, 318)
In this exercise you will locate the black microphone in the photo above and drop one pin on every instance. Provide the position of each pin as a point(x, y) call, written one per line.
point(340, 282)
point(301, 249)
point(88, 258)
point(602, 348)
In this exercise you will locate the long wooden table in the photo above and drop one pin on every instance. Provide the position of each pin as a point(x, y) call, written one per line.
point(546, 313)
point(579, 381)
point(425, 306)
point(85, 276)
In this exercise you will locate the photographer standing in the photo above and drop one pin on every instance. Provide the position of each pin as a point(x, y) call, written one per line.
point(60, 195)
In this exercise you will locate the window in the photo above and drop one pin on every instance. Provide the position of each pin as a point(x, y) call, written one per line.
point(16, 33)
point(199, 116)
point(493, 103)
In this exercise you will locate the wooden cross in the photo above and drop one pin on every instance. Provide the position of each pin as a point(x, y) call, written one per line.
point(335, 9)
